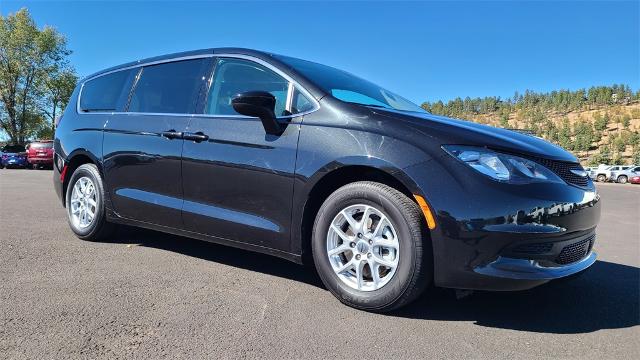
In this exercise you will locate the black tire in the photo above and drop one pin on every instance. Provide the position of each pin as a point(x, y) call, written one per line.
point(99, 229)
point(414, 270)
point(622, 179)
point(601, 178)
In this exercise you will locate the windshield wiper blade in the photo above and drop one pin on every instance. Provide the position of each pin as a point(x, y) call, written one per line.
point(373, 105)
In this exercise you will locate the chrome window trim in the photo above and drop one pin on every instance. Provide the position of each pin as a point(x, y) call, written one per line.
point(292, 84)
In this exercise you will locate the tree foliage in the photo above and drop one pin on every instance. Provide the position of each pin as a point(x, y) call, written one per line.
point(35, 76)
point(562, 101)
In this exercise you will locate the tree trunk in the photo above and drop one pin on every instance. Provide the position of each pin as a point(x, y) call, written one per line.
point(53, 118)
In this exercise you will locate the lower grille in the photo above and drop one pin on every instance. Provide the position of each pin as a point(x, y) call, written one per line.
point(576, 251)
point(534, 249)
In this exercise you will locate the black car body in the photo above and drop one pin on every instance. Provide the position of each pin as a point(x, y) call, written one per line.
point(223, 178)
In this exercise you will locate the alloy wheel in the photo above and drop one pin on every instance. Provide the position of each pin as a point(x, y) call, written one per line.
point(83, 203)
point(363, 247)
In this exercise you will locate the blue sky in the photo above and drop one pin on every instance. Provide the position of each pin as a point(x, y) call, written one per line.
point(422, 50)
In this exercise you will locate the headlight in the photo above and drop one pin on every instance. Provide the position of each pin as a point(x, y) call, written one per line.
point(502, 167)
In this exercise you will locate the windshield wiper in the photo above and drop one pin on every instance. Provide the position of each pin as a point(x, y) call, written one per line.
point(373, 105)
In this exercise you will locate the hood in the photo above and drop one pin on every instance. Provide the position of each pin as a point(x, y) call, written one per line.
point(448, 131)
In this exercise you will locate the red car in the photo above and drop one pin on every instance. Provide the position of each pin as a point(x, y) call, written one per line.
point(40, 153)
point(635, 180)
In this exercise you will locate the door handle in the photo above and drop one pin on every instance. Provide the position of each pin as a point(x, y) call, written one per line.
point(172, 134)
point(197, 137)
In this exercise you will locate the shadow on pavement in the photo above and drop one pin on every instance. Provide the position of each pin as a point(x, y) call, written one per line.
point(607, 296)
point(227, 255)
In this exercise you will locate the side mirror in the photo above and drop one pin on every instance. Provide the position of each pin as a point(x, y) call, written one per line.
point(259, 104)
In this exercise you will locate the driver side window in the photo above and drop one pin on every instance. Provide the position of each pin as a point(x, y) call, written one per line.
point(233, 76)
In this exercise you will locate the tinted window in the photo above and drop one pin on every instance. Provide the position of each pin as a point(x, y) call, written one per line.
point(169, 88)
point(43, 145)
point(300, 103)
point(234, 76)
point(13, 149)
point(102, 93)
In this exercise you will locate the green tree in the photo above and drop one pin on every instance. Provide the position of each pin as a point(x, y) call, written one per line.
point(58, 89)
point(600, 122)
point(564, 134)
point(626, 120)
point(635, 158)
point(28, 57)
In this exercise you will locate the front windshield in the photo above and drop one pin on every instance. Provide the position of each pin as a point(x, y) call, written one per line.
point(346, 87)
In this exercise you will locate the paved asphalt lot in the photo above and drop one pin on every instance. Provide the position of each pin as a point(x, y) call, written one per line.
point(149, 295)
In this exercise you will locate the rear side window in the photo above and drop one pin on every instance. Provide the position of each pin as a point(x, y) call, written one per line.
point(169, 87)
point(102, 93)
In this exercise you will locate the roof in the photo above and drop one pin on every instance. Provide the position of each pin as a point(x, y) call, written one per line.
point(225, 50)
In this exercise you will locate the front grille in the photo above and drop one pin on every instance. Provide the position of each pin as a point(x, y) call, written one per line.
point(534, 249)
point(563, 170)
point(576, 251)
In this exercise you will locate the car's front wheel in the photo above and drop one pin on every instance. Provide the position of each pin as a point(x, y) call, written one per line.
point(601, 178)
point(371, 248)
point(85, 204)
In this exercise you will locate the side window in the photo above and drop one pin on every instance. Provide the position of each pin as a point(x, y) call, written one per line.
point(102, 93)
point(169, 87)
point(300, 103)
point(234, 76)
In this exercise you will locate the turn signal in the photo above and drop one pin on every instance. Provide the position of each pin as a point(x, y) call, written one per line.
point(431, 221)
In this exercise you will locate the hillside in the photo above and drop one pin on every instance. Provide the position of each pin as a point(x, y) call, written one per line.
point(601, 125)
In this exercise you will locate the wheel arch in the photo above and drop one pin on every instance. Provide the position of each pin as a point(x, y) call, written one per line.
point(335, 177)
point(74, 161)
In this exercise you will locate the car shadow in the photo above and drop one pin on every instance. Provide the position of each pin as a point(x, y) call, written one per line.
point(606, 296)
point(227, 255)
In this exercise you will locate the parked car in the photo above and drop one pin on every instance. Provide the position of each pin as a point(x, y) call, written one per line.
point(635, 179)
point(603, 174)
point(302, 161)
point(622, 176)
point(14, 156)
point(40, 153)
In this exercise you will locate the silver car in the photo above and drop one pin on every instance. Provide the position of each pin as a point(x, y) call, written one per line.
point(603, 173)
point(622, 176)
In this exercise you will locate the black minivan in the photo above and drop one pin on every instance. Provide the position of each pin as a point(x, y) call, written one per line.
point(309, 163)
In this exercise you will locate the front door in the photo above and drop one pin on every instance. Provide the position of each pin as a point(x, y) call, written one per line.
point(238, 183)
point(143, 146)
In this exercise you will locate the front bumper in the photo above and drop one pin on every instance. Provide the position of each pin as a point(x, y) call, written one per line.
point(532, 270)
point(496, 236)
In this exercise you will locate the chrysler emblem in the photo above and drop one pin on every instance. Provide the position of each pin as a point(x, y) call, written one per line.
point(579, 172)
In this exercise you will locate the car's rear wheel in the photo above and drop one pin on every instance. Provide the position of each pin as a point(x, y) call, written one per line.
point(601, 178)
point(371, 248)
point(622, 179)
point(85, 204)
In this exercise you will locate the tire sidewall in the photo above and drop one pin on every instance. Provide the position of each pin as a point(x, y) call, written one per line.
point(90, 171)
point(622, 179)
point(396, 287)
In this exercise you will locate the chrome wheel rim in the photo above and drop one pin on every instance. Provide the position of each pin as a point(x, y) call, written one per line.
point(83, 203)
point(363, 247)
